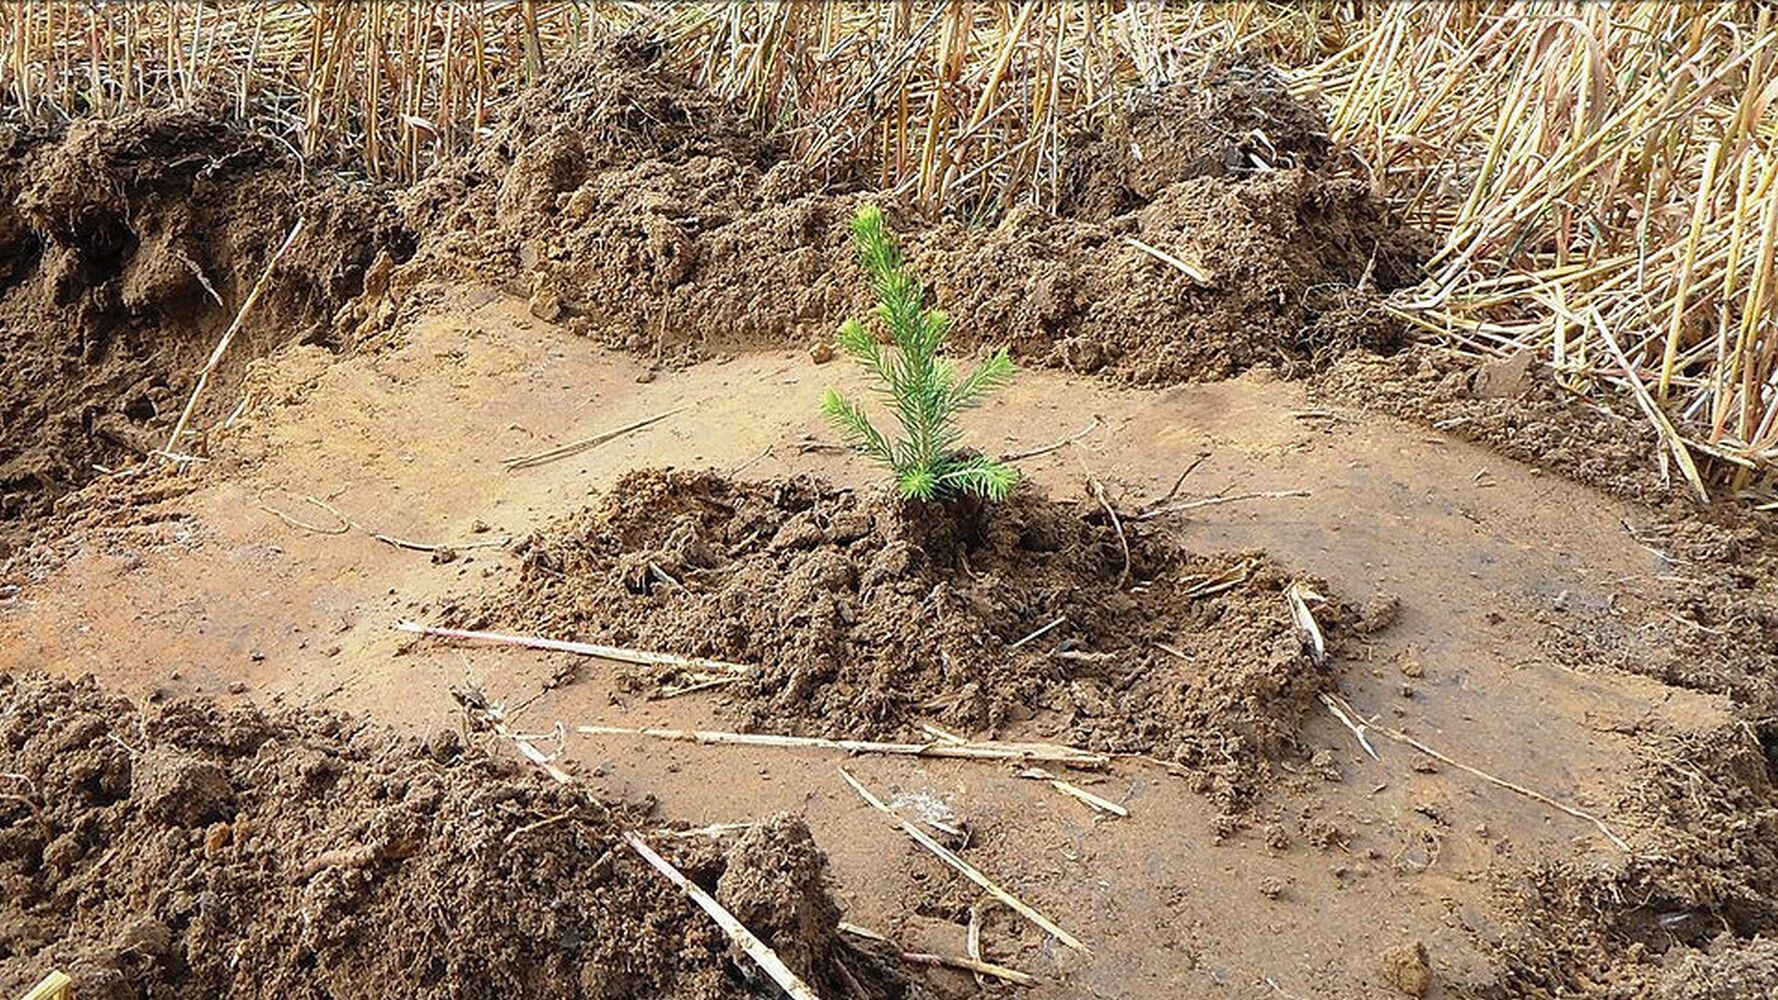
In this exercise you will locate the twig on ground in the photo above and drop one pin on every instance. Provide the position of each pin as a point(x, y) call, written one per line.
point(1057, 445)
point(347, 524)
point(713, 831)
point(972, 942)
point(1213, 501)
point(969, 965)
point(1357, 727)
point(344, 526)
point(1196, 274)
point(974, 963)
point(540, 824)
point(942, 735)
point(55, 986)
point(1530, 793)
point(746, 940)
point(1046, 752)
point(663, 576)
point(516, 462)
point(227, 338)
point(702, 684)
point(1067, 788)
point(964, 868)
point(744, 466)
point(743, 938)
point(618, 653)
point(1190, 467)
point(1298, 597)
point(1059, 620)
point(1123, 575)
point(1228, 580)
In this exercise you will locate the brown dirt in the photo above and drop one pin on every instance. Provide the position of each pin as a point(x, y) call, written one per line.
point(631, 210)
point(655, 219)
point(1696, 921)
point(1232, 119)
point(1718, 628)
point(1529, 418)
point(866, 615)
point(184, 850)
point(109, 234)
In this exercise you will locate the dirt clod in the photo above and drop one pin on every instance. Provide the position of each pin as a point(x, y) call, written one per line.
point(662, 222)
point(1406, 968)
point(126, 245)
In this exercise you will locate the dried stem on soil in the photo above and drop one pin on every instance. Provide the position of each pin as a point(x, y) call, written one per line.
point(974, 963)
point(1342, 708)
point(1185, 505)
point(517, 462)
point(964, 868)
point(347, 524)
point(1047, 752)
point(618, 653)
point(1068, 788)
point(55, 986)
point(746, 940)
point(1056, 445)
point(197, 391)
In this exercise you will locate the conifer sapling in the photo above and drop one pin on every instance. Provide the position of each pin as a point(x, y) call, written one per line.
point(921, 388)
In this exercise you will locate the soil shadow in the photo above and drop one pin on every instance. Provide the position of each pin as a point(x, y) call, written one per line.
point(183, 849)
point(126, 246)
point(865, 615)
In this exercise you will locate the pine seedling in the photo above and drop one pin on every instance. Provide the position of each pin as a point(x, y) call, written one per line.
point(921, 388)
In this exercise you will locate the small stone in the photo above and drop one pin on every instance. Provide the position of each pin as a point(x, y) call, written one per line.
point(821, 352)
point(1406, 968)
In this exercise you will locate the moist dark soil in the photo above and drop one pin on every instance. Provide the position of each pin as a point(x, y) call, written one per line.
point(655, 219)
point(865, 615)
point(184, 850)
point(126, 245)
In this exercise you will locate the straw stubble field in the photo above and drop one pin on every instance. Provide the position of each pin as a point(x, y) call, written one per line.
point(1385, 606)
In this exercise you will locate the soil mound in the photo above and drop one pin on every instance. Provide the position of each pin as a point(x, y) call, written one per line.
point(645, 214)
point(183, 850)
point(126, 245)
point(1232, 119)
point(865, 615)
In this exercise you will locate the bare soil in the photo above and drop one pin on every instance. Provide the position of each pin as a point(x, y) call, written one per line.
point(186, 850)
point(867, 614)
point(126, 246)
